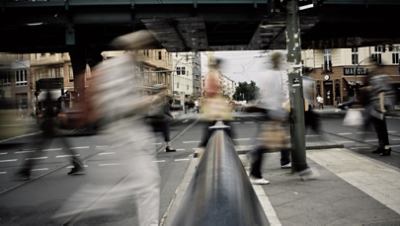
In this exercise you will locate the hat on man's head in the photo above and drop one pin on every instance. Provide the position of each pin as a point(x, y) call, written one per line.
point(134, 40)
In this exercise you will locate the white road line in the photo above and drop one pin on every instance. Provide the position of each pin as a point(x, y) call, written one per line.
point(3, 153)
point(392, 131)
point(191, 141)
point(159, 161)
point(180, 149)
point(269, 211)
point(250, 122)
point(53, 149)
point(345, 141)
point(70, 167)
point(396, 145)
point(185, 121)
point(22, 152)
point(2, 173)
point(106, 153)
point(345, 134)
point(102, 146)
point(371, 140)
point(82, 147)
point(110, 164)
point(37, 158)
point(41, 169)
point(395, 139)
point(157, 143)
point(20, 136)
point(8, 160)
point(239, 139)
point(180, 160)
point(65, 156)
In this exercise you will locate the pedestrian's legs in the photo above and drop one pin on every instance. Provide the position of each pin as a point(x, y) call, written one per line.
point(165, 129)
point(206, 133)
point(285, 157)
point(38, 143)
point(381, 130)
point(77, 164)
point(256, 162)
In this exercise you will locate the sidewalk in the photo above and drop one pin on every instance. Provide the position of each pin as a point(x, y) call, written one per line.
point(351, 190)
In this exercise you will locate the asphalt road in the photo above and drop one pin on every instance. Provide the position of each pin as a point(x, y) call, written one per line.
point(36, 201)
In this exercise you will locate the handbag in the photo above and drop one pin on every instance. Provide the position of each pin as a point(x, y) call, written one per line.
point(353, 117)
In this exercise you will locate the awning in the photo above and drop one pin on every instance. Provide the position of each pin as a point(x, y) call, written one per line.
point(355, 80)
point(55, 94)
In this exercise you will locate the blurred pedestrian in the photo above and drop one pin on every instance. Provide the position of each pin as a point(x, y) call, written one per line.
point(160, 116)
point(273, 94)
point(310, 116)
point(381, 97)
point(214, 106)
point(320, 101)
point(117, 92)
point(49, 109)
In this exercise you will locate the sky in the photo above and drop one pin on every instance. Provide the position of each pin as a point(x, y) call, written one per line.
point(240, 66)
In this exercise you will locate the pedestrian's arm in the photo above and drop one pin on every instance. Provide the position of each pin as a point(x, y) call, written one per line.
point(382, 101)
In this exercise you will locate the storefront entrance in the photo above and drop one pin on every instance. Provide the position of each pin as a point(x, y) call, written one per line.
point(328, 92)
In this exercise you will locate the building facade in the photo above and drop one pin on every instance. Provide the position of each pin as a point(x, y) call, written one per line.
point(155, 66)
point(186, 76)
point(15, 80)
point(338, 72)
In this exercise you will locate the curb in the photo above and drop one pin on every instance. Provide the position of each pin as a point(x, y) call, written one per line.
point(311, 147)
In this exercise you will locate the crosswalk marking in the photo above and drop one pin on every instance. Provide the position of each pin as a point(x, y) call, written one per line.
point(65, 156)
point(53, 149)
point(9, 160)
point(41, 169)
point(106, 153)
point(37, 158)
point(191, 141)
point(22, 152)
point(82, 147)
point(159, 161)
point(345, 134)
point(179, 160)
point(110, 164)
point(2, 173)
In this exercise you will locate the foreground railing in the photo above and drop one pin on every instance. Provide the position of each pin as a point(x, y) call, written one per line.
point(220, 192)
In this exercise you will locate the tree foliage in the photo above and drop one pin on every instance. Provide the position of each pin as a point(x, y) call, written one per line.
point(246, 91)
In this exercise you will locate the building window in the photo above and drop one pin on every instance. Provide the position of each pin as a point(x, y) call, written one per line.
point(395, 58)
point(177, 85)
point(178, 70)
point(70, 73)
point(377, 56)
point(21, 78)
point(327, 60)
point(183, 70)
point(5, 79)
point(354, 55)
point(159, 55)
point(187, 87)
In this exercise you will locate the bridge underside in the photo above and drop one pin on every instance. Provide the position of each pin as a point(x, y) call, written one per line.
point(188, 27)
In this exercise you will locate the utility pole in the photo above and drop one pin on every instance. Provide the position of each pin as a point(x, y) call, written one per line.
point(297, 127)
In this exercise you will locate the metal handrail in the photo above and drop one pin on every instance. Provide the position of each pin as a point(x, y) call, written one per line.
point(220, 192)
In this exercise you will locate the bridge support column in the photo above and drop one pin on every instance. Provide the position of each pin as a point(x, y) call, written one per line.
point(83, 59)
point(297, 128)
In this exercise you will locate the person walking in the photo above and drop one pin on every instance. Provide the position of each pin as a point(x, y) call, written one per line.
point(380, 98)
point(214, 106)
point(50, 108)
point(160, 117)
point(273, 94)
